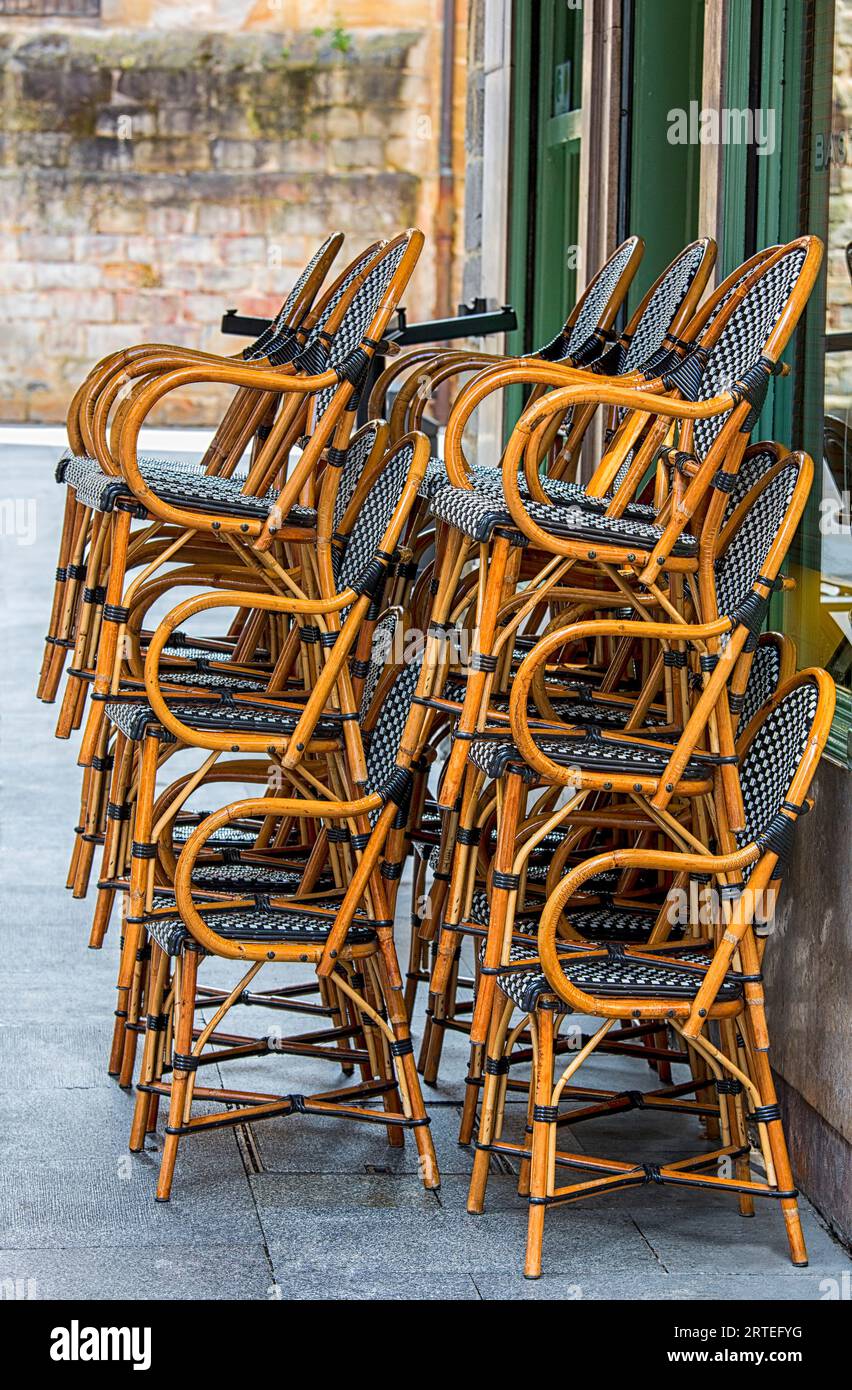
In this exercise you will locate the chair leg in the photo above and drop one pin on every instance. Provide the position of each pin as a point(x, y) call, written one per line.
point(181, 1064)
point(133, 929)
point(489, 1113)
point(403, 1058)
point(541, 1175)
point(158, 970)
point(110, 632)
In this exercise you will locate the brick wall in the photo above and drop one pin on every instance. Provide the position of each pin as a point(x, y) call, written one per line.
point(153, 176)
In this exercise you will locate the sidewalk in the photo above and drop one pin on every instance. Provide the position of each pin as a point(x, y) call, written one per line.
point(294, 1208)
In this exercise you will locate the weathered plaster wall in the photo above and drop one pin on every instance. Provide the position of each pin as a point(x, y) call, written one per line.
point(182, 158)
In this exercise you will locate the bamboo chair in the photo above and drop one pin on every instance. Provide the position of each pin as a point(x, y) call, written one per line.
point(274, 347)
point(351, 931)
point(717, 983)
point(99, 489)
point(651, 344)
point(359, 497)
point(588, 332)
point(362, 308)
point(752, 546)
point(721, 385)
point(325, 723)
point(235, 510)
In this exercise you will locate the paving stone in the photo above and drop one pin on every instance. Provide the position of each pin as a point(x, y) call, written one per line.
point(417, 1287)
point(64, 1204)
point(157, 1272)
point(391, 1224)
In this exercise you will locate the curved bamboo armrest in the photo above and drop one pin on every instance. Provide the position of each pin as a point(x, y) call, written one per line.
point(230, 373)
point(518, 371)
point(405, 362)
point(647, 403)
point(616, 627)
point(263, 806)
point(113, 373)
point(275, 603)
point(420, 385)
point(674, 862)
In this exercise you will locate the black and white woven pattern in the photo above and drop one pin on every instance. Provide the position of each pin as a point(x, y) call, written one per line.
point(764, 674)
point(380, 654)
point(99, 490)
point(248, 878)
point(611, 976)
point(772, 757)
point(613, 923)
point(279, 334)
point(562, 491)
point(603, 713)
point(236, 836)
point(754, 464)
point(490, 481)
point(656, 320)
point(357, 453)
point(357, 318)
point(266, 924)
point(179, 485)
point(597, 299)
point(215, 680)
point(387, 732)
point(478, 514)
point(588, 753)
point(744, 336)
point(374, 516)
point(745, 555)
point(228, 716)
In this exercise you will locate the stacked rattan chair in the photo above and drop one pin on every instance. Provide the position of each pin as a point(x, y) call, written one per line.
point(544, 690)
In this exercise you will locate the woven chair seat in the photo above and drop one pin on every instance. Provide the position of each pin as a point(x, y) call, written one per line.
point(479, 514)
point(180, 484)
point(604, 922)
point(267, 924)
point(214, 680)
point(253, 878)
point(133, 717)
point(606, 713)
point(612, 976)
point(589, 752)
point(238, 835)
point(490, 481)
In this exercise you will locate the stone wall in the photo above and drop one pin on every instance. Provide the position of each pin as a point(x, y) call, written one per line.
point(153, 176)
point(838, 386)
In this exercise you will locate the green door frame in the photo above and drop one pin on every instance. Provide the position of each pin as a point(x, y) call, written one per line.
point(544, 177)
point(780, 51)
point(662, 72)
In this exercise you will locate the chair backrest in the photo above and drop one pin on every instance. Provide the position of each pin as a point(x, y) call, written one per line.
point(358, 451)
point(385, 727)
point(780, 750)
point(757, 461)
point(753, 530)
point(353, 311)
point(666, 307)
point(279, 341)
point(770, 658)
point(755, 323)
point(375, 501)
point(587, 332)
